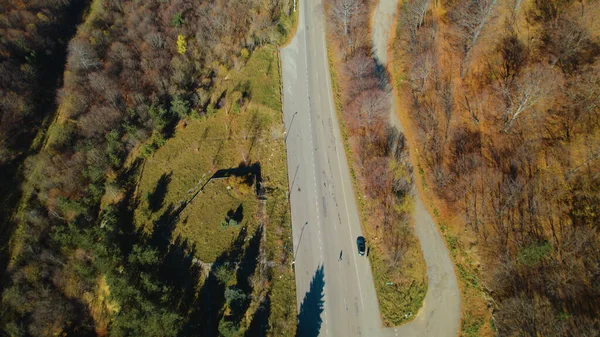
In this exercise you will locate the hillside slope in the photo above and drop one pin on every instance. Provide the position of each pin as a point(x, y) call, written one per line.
point(501, 98)
point(136, 74)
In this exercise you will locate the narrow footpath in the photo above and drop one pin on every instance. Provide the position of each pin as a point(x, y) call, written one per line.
point(440, 314)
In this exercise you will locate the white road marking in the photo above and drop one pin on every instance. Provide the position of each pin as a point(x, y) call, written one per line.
point(331, 109)
point(314, 171)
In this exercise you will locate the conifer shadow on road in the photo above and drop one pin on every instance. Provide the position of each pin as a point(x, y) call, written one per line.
point(309, 317)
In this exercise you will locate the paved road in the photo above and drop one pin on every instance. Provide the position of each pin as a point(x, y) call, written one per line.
point(324, 212)
point(335, 291)
point(440, 314)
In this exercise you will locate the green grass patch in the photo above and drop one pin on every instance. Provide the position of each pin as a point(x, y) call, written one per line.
point(287, 27)
point(399, 303)
point(202, 221)
point(471, 325)
point(451, 240)
point(283, 304)
point(533, 254)
point(471, 284)
point(468, 276)
point(261, 76)
point(250, 133)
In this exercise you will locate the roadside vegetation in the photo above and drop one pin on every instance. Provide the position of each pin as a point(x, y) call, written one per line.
point(32, 55)
point(379, 160)
point(503, 98)
point(108, 240)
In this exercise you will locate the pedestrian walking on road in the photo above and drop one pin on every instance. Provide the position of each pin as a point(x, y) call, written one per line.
point(340, 259)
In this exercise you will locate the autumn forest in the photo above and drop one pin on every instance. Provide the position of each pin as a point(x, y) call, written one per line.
point(500, 102)
point(503, 97)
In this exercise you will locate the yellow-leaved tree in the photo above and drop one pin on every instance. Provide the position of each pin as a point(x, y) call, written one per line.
point(181, 44)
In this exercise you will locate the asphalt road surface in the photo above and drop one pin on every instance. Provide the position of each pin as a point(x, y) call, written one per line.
point(341, 300)
point(334, 285)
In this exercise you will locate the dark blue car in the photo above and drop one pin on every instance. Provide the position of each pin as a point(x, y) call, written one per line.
point(360, 242)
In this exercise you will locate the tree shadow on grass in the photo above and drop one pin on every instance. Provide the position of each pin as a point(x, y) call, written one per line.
point(237, 215)
point(201, 307)
point(251, 174)
point(207, 309)
point(249, 261)
point(245, 88)
point(179, 272)
point(309, 318)
point(246, 268)
point(260, 320)
point(163, 228)
point(157, 197)
point(124, 209)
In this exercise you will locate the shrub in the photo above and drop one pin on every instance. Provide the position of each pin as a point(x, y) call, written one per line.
point(180, 106)
point(148, 149)
point(235, 298)
point(177, 20)
point(181, 44)
point(228, 328)
point(224, 274)
point(235, 108)
point(211, 110)
point(160, 116)
point(533, 254)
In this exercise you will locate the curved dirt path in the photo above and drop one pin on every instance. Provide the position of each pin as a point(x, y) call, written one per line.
point(440, 314)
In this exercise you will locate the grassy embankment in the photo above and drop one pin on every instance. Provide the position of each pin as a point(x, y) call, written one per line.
point(400, 291)
point(232, 135)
